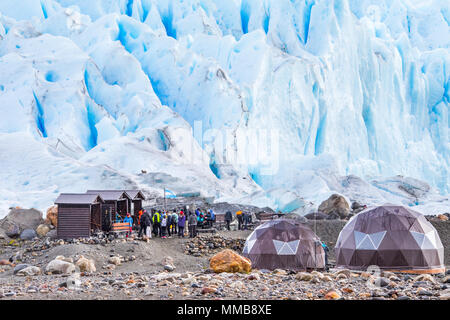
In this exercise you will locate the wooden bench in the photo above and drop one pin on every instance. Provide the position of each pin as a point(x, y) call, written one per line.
point(120, 227)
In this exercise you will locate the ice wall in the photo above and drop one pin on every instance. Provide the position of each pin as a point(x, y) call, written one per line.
point(350, 88)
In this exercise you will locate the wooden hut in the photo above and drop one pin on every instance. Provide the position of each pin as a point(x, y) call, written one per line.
point(137, 197)
point(116, 202)
point(79, 215)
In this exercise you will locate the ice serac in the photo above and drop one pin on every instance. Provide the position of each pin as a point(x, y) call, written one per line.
point(354, 95)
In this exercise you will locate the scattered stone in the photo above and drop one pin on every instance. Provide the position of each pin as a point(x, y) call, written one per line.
point(280, 272)
point(304, 276)
point(423, 292)
point(345, 272)
point(424, 277)
point(254, 276)
point(207, 290)
point(445, 296)
point(341, 276)
point(210, 244)
point(5, 263)
point(381, 282)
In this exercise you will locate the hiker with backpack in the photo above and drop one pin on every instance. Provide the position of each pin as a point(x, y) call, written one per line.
point(181, 224)
point(192, 221)
point(163, 225)
point(228, 219)
point(174, 222)
point(156, 223)
point(145, 222)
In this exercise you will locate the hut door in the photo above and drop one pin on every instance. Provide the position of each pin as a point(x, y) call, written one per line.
point(96, 218)
point(106, 218)
point(122, 207)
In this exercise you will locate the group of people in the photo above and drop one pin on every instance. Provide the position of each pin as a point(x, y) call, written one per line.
point(167, 224)
point(244, 219)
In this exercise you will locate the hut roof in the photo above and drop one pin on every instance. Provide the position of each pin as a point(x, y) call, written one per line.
point(110, 195)
point(136, 194)
point(78, 198)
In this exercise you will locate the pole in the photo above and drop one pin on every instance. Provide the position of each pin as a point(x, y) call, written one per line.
point(164, 199)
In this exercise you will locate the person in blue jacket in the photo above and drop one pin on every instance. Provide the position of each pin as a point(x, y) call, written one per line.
point(128, 219)
point(213, 216)
point(325, 248)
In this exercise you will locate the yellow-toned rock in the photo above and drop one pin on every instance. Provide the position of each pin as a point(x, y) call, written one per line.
point(86, 265)
point(42, 230)
point(332, 295)
point(52, 216)
point(229, 261)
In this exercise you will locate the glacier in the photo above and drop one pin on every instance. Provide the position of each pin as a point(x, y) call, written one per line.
point(276, 103)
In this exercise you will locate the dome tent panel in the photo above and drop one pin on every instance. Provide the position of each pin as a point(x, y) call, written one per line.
point(285, 244)
point(407, 243)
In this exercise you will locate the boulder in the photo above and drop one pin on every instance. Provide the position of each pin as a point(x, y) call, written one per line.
point(335, 204)
point(60, 266)
point(28, 234)
point(42, 230)
point(3, 234)
point(52, 216)
point(51, 234)
point(229, 261)
point(442, 217)
point(29, 271)
point(12, 231)
point(115, 261)
point(86, 265)
point(21, 219)
point(19, 267)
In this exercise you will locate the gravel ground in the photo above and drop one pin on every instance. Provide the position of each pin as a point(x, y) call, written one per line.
point(142, 275)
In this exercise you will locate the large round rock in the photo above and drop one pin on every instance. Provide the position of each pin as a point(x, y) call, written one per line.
point(28, 234)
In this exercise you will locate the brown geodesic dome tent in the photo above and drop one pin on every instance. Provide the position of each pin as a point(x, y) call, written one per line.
point(391, 237)
point(284, 244)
